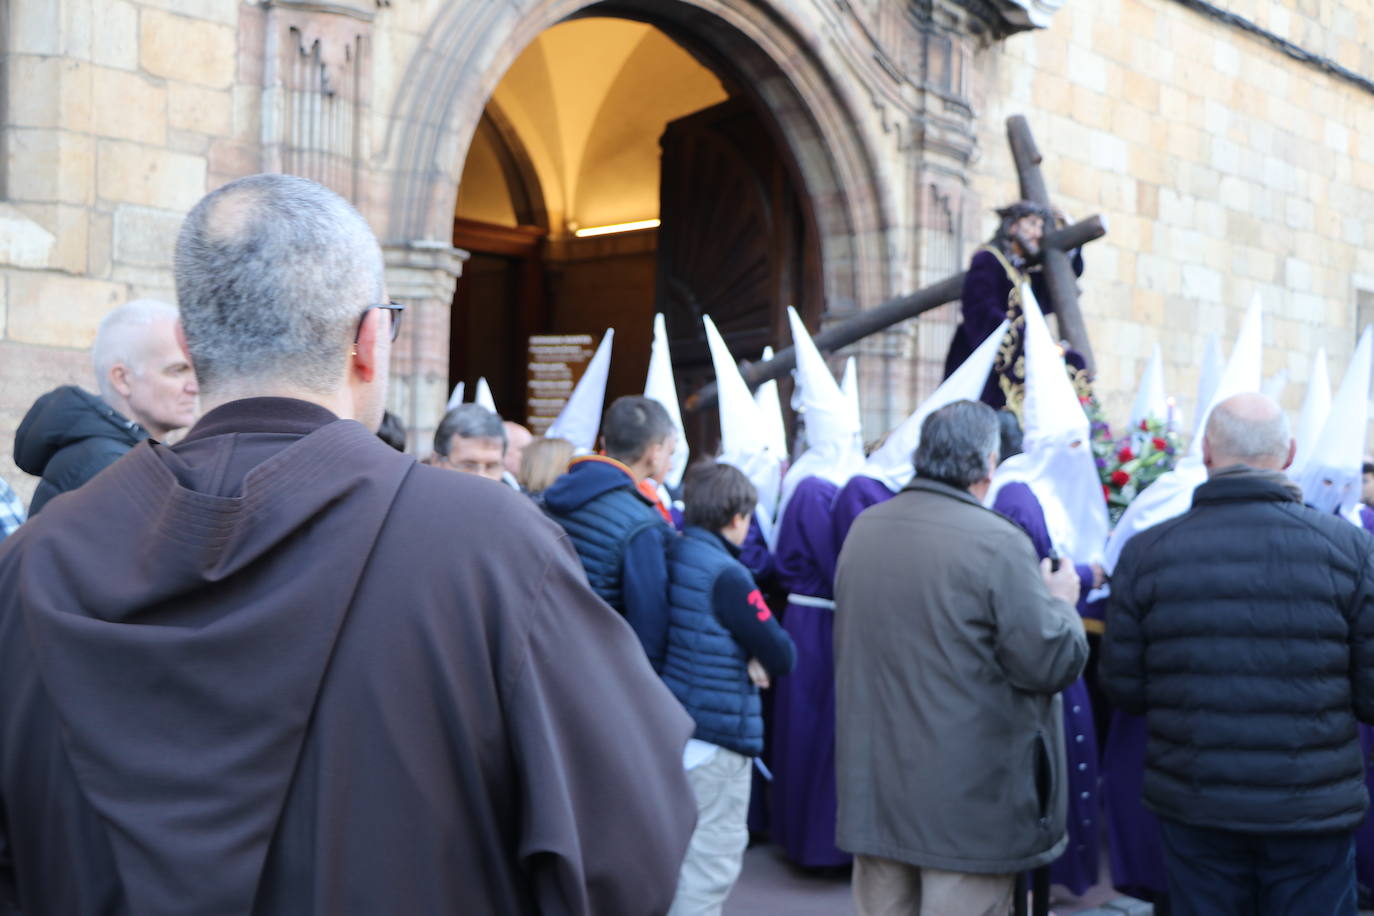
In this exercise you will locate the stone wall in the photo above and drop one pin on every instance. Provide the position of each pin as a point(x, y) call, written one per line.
point(1224, 167)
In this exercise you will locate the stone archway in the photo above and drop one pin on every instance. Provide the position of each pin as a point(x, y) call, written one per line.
point(469, 46)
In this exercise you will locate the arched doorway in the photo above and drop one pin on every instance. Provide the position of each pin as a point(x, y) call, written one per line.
point(788, 123)
point(613, 175)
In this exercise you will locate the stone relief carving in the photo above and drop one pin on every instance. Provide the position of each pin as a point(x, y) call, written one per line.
point(315, 87)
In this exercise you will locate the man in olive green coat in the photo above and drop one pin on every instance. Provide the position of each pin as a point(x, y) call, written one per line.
point(951, 646)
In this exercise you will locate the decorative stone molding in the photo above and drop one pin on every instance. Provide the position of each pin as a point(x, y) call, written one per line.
point(316, 84)
point(1005, 17)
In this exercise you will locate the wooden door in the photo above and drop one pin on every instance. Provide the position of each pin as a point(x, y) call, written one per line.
point(736, 243)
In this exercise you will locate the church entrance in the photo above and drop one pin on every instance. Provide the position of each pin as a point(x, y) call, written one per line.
point(620, 169)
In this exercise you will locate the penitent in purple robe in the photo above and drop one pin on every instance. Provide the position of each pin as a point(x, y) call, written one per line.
point(1077, 868)
point(854, 497)
point(804, 797)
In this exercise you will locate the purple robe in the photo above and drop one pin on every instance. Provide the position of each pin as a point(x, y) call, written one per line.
point(854, 497)
point(804, 802)
point(983, 306)
point(1137, 853)
point(1077, 868)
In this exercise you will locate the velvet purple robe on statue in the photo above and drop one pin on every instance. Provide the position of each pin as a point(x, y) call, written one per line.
point(983, 306)
point(804, 802)
point(854, 497)
point(1077, 868)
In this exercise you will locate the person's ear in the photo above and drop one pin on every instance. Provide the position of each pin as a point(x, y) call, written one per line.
point(1292, 451)
point(365, 357)
point(119, 380)
point(1206, 451)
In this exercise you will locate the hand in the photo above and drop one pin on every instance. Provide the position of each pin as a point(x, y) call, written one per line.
point(758, 675)
point(1062, 584)
point(1099, 575)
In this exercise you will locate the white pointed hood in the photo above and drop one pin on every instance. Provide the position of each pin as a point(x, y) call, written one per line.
point(1209, 376)
point(743, 438)
point(1331, 480)
point(1057, 463)
point(1172, 494)
point(1316, 406)
point(1151, 403)
point(482, 396)
point(891, 461)
point(580, 419)
point(661, 386)
point(770, 404)
point(849, 384)
point(834, 447)
point(456, 397)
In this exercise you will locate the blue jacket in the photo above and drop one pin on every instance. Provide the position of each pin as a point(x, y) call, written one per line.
point(620, 538)
point(717, 622)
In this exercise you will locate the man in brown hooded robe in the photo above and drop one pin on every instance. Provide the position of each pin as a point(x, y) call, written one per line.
point(280, 667)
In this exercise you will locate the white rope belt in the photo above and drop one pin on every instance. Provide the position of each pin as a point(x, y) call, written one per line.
point(811, 601)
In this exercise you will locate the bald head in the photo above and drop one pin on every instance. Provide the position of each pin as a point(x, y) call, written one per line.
point(1249, 429)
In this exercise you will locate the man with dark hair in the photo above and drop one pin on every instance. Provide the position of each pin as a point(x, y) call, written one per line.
point(991, 294)
point(951, 647)
point(279, 667)
point(619, 534)
point(723, 645)
point(471, 439)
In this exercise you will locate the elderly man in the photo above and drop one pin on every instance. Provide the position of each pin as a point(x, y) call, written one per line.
point(951, 646)
point(1244, 632)
point(471, 439)
point(146, 388)
point(281, 668)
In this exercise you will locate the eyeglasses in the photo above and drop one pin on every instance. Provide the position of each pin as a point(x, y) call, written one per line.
point(395, 308)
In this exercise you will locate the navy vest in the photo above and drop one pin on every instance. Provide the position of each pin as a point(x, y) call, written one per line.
point(600, 530)
point(704, 667)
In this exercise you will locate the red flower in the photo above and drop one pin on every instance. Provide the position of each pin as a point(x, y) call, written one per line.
point(1106, 493)
point(1159, 444)
point(1120, 478)
point(1145, 426)
point(1125, 454)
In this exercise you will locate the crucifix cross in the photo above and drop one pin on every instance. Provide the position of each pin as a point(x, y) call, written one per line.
point(1054, 259)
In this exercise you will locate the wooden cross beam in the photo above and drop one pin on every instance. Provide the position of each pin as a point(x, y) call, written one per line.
point(892, 312)
point(1054, 257)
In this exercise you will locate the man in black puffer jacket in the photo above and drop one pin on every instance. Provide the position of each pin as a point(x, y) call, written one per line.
point(1244, 632)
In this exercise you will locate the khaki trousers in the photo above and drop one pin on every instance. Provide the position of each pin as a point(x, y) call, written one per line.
point(716, 851)
point(883, 887)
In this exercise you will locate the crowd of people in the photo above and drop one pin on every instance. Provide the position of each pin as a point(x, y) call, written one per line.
point(281, 666)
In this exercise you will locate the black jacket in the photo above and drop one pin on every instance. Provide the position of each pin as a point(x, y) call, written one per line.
point(1244, 632)
point(67, 437)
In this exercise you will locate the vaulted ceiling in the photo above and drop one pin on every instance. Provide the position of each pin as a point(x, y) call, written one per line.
point(587, 101)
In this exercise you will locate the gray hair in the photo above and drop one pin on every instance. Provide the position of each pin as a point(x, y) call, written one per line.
point(956, 441)
point(273, 273)
point(120, 339)
point(469, 421)
point(1250, 428)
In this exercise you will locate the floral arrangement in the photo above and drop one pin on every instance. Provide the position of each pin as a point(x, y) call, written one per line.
point(1131, 463)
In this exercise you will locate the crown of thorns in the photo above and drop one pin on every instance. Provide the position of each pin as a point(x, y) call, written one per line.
point(1023, 208)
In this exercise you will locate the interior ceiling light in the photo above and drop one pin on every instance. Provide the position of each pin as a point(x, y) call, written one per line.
point(616, 227)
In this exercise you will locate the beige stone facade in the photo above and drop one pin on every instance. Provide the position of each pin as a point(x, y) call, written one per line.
point(1224, 165)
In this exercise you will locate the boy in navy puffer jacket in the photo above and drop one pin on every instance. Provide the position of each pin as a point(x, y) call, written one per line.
point(723, 644)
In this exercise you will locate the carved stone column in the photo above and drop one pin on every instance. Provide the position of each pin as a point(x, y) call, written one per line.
point(316, 90)
point(422, 275)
